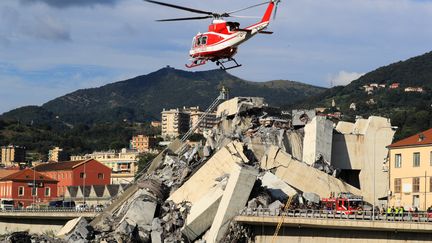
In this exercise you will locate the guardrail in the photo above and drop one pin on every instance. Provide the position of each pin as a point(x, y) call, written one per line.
point(52, 210)
point(409, 217)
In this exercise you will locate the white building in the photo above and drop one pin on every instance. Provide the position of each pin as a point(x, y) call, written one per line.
point(123, 164)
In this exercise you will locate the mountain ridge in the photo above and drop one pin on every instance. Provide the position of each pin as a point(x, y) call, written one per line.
point(142, 98)
point(410, 111)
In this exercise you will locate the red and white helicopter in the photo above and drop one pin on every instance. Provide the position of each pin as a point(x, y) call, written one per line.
point(221, 42)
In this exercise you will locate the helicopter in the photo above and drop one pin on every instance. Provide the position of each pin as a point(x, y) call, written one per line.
point(220, 43)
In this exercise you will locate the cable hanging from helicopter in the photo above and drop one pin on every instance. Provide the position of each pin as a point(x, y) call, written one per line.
point(220, 43)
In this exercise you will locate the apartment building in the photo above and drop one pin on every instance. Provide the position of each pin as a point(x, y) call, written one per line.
point(57, 154)
point(10, 155)
point(143, 143)
point(175, 122)
point(410, 162)
point(208, 122)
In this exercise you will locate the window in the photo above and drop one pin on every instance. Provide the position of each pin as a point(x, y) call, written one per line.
point(397, 185)
point(416, 184)
point(34, 190)
point(398, 160)
point(430, 184)
point(47, 191)
point(82, 175)
point(21, 191)
point(416, 159)
point(430, 158)
point(100, 175)
point(204, 40)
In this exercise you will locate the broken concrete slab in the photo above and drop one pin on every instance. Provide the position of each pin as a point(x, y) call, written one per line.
point(141, 211)
point(360, 126)
point(317, 140)
point(77, 231)
point(345, 127)
point(69, 227)
point(308, 179)
point(235, 197)
point(172, 147)
point(202, 213)
point(275, 207)
point(157, 231)
point(219, 164)
point(239, 104)
point(278, 188)
point(311, 197)
point(295, 145)
point(268, 160)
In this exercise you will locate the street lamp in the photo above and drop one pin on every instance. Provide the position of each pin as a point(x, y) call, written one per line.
point(374, 171)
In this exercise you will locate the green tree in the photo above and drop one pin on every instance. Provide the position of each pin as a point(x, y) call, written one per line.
point(144, 160)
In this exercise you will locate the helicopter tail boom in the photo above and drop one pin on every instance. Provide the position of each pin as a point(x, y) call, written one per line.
point(269, 11)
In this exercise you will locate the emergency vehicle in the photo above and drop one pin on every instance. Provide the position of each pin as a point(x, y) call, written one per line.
point(345, 203)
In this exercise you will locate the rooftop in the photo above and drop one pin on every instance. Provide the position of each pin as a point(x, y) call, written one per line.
point(27, 175)
point(419, 139)
point(66, 165)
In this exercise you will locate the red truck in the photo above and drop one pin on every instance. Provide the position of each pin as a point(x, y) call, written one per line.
point(344, 203)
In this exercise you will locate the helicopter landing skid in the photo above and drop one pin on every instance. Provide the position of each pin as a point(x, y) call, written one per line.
point(221, 63)
point(196, 63)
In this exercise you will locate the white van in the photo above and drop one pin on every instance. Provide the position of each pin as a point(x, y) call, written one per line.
point(6, 204)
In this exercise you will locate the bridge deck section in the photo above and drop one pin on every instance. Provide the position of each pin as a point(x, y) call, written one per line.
point(319, 219)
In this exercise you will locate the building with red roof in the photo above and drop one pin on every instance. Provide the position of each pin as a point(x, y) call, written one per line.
point(410, 163)
point(76, 173)
point(26, 187)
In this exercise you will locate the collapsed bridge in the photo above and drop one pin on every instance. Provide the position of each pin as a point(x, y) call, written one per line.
point(254, 158)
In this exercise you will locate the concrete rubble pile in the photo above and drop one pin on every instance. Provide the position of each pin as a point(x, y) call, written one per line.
point(251, 160)
point(25, 237)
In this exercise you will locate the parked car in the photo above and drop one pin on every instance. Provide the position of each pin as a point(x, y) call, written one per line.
point(99, 208)
point(81, 207)
point(55, 204)
point(61, 204)
point(69, 204)
point(32, 206)
point(6, 204)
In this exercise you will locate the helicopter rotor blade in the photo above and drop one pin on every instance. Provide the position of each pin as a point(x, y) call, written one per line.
point(245, 17)
point(180, 7)
point(181, 19)
point(243, 9)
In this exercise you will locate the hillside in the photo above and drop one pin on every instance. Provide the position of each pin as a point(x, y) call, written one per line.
point(142, 98)
point(410, 111)
point(106, 117)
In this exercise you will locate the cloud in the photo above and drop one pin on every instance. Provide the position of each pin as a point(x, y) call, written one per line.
point(46, 27)
point(343, 78)
point(312, 41)
point(16, 26)
point(71, 3)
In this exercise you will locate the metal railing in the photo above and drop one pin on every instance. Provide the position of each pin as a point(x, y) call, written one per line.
point(51, 210)
point(409, 217)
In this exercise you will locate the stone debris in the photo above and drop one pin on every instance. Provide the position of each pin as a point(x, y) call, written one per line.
point(81, 232)
point(255, 158)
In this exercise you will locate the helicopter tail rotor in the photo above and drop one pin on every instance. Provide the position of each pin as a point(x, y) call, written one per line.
point(276, 8)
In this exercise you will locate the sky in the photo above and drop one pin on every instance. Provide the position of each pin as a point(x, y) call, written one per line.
point(49, 48)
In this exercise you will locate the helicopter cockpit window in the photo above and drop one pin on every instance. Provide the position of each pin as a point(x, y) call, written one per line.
point(233, 26)
point(204, 40)
point(199, 41)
